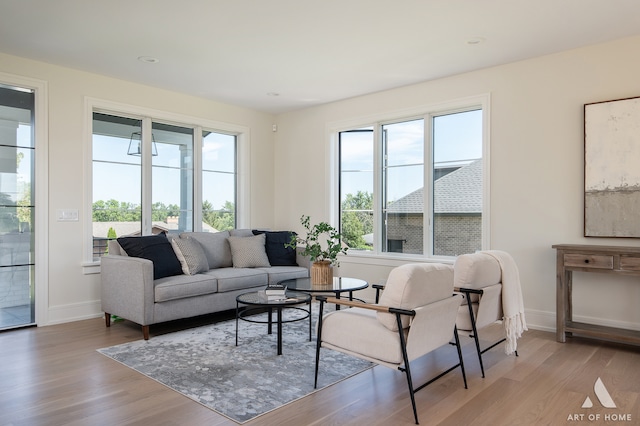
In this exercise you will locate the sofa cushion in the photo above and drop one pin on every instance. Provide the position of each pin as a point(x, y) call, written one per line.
point(155, 248)
point(248, 252)
point(190, 254)
point(281, 273)
point(215, 246)
point(278, 254)
point(182, 286)
point(412, 285)
point(230, 279)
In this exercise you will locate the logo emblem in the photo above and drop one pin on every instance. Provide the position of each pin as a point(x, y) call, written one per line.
point(602, 394)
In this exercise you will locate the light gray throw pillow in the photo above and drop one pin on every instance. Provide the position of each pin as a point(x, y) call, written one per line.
point(249, 252)
point(215, 246)
point(191, 255)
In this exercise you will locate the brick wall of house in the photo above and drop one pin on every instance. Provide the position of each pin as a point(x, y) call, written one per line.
point(408, 229)
point(454, 234)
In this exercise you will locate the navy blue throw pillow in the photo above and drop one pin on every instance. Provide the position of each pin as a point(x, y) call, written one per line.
point(278, 254)
point(156, 248)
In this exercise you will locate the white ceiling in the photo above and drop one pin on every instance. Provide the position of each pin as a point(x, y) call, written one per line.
point(308, 52)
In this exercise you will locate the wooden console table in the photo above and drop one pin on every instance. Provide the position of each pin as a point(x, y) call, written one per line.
point(587, 258)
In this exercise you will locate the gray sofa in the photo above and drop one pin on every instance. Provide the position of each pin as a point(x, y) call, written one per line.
point(215, 268)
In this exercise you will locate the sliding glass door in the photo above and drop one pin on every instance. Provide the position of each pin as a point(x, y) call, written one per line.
point(17, 207)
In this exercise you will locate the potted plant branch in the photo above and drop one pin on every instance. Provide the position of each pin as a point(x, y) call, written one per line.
point(322, 243)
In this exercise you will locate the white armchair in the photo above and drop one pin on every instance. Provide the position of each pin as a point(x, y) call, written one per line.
point(416, 314)
point(483, 278)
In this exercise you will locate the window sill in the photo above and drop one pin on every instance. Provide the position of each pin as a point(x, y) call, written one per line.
point(89, 268)
point(388, 259)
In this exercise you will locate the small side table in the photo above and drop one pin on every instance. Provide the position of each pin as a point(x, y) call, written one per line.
point(257, 300)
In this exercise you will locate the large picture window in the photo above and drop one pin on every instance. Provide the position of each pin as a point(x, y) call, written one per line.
point(150, 176)
point(414, 186)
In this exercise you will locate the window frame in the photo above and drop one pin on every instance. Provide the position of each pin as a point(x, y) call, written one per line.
point(148, 115)
point(427, 112)
point(41, 221)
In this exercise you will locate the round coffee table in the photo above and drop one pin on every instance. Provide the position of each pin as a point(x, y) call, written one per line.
point(340, 285)
point(257, 300)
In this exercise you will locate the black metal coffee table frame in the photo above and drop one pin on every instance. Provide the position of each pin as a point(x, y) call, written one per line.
point(256, 302)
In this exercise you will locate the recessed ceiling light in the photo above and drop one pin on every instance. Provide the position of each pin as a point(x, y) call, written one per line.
point(148, 59)
point(476, 40)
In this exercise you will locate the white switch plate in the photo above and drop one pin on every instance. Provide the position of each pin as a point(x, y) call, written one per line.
point(67, 215)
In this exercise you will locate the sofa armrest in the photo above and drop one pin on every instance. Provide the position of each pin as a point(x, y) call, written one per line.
point(127, 288)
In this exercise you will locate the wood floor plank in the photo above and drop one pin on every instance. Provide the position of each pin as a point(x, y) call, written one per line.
point(54, 376)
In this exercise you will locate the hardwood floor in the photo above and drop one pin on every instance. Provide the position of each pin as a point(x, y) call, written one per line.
point(54, 376)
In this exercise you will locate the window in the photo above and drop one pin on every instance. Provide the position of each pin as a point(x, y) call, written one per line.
point(356, 188)
point(403, 180)
point(219, 182)
point(117, 179)
point(146, 178)
point(171, 177)
point(415, 185)
point(457, 183)
point(17, 206)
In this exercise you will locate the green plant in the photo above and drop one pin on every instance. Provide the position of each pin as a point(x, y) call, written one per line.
point(111, 233)
point(313, 241)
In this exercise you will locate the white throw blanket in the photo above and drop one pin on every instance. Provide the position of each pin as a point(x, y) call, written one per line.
point(512, 304)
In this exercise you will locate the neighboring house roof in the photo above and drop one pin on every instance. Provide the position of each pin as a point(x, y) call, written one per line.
point(123, 229)
point(457, 192)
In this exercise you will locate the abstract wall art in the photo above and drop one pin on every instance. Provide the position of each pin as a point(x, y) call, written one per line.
point(612, 168)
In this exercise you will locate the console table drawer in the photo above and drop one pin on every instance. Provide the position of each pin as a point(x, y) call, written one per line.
point(630, 263)
point(588, 261)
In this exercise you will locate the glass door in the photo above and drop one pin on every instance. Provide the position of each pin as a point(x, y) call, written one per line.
point(17, 207)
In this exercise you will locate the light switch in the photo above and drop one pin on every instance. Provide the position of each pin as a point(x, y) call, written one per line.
point(67, 215)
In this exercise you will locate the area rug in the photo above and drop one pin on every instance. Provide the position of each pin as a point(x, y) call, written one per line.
point(240, 382)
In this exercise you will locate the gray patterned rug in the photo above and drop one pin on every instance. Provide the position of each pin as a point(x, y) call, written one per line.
point(240, 382)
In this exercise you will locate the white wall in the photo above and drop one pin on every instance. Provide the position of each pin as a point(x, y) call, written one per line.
point(71, 293)
point(536, 167)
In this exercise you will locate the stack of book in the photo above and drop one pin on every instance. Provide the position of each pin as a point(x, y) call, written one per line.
point(276, 292)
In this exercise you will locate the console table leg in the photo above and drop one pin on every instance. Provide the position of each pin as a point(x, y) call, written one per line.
point(561, 297)
point(569, 300)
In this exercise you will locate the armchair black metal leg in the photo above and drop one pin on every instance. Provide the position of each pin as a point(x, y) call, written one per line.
point(319, 341)
point(475, 332)
point(464, 375)
point(406, 368)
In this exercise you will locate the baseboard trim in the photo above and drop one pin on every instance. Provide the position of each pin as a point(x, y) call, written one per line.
point(540, 320)
point(74, 312)
point(536, 319)
point(546, 321)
